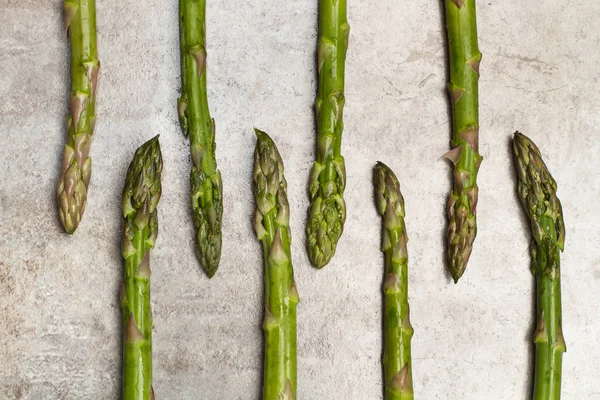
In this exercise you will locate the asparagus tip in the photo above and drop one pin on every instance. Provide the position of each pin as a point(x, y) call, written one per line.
point(381, 165)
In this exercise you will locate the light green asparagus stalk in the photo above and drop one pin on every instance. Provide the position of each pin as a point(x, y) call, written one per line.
point(537, 191)
point(80, 21)
point(140, 227)
point(396, 321)
point(463, 90)
point(194, 116)
point(272, 225)
point(328, 177)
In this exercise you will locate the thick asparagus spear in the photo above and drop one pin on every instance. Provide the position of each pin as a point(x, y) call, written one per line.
point(537, 191)
point(328, 177)
point(140, 227)
point(397, 328)
point(80, 21)
point(463, 90)
point(271, 222)
point(194, 116)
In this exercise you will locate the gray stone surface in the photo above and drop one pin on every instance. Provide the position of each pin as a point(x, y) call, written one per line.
point(59, 315)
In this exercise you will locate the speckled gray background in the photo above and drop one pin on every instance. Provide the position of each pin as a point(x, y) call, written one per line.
point(59, 317)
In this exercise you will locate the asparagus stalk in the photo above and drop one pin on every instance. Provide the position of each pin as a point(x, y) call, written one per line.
point(327, 211)
point(463, 90)
point(80, 21)
point(537, 191)
point(196, 123)
point(397, 328)
point(140, 228)
point(271, 222)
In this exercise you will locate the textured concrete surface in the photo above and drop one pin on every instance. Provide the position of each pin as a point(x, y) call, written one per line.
point(59, 316)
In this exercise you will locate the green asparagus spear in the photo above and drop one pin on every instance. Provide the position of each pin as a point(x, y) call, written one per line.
point(463, 90)
point(194, 116)
point(80, 21)
point(328, 177)
point(397, 328)
point(140, 227)
point(537, 191)
point(271, 222)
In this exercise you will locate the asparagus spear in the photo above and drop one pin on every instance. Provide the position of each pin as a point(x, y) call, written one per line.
point(397, 328)
point(537, 191)
point(271, 222)
point(80, 21)
point(328, 177)
point(140, 228)
point(194, 116)
point(463, 90)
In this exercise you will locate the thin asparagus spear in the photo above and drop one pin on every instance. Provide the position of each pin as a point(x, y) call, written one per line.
point(140, 228)
point(463, 90)
point(328, 177)
point(271, 222)
point(194, 116)
point(80, 21)
point(537, 191)
point(397, 328)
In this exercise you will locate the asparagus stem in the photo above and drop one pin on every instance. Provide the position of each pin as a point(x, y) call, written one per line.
point(328, 177)
point(194, 116)
point(463, 89)
point(397, 328)
point(140, 228)
point(80, 21)
point(271, 222)
point(537, 191)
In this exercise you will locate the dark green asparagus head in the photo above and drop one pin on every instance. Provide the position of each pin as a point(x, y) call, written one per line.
point(207, 208)
point(270, 186)
point(327, 212)
point(142, 191)
point(537, 191)
point(390, 205)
